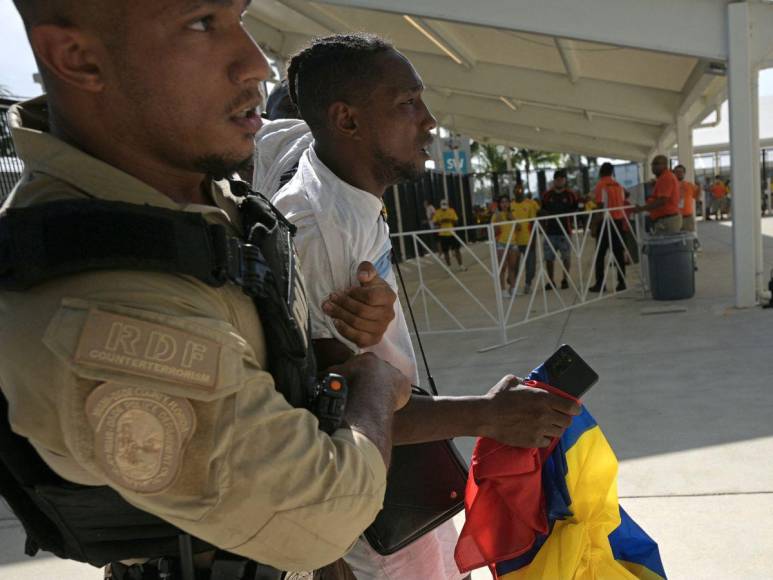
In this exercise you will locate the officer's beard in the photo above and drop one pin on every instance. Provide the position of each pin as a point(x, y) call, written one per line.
point(217, 167)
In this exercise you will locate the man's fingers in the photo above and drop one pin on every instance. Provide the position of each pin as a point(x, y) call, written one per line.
point(340, 302)
point(358, 337)
point(553, 431)
point(357, 321)
point(366, 273)
point(565, 406)
point(379, 294)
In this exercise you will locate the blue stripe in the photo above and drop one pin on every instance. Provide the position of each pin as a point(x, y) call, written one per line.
point(384, 264)
point(631, 543)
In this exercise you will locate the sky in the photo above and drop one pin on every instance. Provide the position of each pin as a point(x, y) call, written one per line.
point(17, 63)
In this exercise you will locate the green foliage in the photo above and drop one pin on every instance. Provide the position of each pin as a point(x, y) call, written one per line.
point(494, 157)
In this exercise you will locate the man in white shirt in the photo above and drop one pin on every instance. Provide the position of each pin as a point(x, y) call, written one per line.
point(371, 129)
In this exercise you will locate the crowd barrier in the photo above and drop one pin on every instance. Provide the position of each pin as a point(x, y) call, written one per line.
point(447, 300)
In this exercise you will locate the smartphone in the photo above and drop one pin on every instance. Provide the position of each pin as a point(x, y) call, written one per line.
point(567, 372)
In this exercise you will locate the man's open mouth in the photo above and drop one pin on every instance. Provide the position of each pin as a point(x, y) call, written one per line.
point(248, 118)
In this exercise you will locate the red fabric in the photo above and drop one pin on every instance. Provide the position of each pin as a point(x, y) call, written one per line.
point(504, 505)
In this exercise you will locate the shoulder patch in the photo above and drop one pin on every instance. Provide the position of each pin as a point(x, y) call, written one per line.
point(140, 347)
point(140, 435)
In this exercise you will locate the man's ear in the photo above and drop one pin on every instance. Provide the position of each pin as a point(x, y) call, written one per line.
point(70, 55)
point(343, 119)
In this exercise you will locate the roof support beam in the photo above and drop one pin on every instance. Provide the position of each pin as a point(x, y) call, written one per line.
point(528, 117)
point(653, 25)
point(268, 38)
point(569, 58)
point(520, 84)
point(317, 14)
point(761, 15)
point(449, 39)
point(641, 104)
point(508, 134)
point(695, 86)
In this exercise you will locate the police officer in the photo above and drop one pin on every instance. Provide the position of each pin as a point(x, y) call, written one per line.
point(155, 383)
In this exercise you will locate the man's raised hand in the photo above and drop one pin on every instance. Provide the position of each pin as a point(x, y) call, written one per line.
point(362, 313)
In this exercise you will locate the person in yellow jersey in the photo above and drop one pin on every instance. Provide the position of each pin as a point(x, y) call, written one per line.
point(507, 252)
point(524, 210)
point(446, 219)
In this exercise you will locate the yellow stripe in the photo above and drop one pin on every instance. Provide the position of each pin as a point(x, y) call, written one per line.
point(578, 548)
point(641, 572)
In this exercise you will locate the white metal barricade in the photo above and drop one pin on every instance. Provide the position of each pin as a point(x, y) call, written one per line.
point(449, 301)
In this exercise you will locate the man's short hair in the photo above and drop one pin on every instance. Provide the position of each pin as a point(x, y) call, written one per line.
point(606, 169)
point(341, 67)
point(680, 166)
point(559, 173)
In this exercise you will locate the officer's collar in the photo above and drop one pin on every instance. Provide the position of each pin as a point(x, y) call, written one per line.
point(45, 153)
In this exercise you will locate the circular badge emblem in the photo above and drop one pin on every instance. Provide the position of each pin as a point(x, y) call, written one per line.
point(139, 435)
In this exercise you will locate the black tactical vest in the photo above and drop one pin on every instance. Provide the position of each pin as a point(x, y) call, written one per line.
point(94, 524)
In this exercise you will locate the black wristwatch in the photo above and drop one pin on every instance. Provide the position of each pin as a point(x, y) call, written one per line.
point(330, 402)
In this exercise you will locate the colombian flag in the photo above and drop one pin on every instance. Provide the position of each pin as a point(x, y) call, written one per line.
point(554, 514)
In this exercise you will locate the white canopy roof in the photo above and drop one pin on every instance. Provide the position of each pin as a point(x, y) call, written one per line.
point(598, 77)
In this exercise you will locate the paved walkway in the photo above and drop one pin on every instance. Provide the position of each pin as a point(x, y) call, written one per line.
point(685, 399)
point(686, 402)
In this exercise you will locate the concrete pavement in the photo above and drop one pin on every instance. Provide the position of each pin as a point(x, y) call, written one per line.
point(685, 400)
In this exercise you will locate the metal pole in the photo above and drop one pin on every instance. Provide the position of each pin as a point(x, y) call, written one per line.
point(741, 103)
point(495, 277)
point(762, 282)
point(684, 140)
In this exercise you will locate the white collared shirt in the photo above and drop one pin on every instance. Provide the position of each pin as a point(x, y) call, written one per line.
point(340, 226)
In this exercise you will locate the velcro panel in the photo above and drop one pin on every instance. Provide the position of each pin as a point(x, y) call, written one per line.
point(66, 237)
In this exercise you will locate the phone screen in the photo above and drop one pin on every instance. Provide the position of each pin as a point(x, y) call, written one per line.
point(567, 371)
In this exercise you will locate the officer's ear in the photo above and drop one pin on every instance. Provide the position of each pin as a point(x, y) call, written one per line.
point(69, 55)
point(342, 118)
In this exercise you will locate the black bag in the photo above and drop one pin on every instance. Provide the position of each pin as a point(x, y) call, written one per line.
point(425, 483)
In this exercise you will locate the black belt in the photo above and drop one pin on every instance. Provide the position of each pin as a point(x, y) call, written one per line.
point(665, 217)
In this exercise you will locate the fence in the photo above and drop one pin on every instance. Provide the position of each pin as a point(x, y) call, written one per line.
point(11, 166)
point(449, 301)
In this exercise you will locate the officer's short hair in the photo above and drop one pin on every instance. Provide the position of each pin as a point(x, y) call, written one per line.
point(342, 67)
point(34, 12)
point(109, 16)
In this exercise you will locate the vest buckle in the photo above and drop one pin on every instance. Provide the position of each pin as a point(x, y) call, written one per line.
point(246, 267)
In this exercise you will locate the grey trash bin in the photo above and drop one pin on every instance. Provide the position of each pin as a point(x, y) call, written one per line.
point(671, 265)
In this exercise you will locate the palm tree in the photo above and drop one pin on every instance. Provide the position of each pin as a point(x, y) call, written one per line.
point(534, 158)
point(492, 157)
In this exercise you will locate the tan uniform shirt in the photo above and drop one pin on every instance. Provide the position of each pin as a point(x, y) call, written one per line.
point(153, 384)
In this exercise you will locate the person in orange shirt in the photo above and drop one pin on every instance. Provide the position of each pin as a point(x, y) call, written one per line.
point(688, 194)
point(608, 193)
point(718, 198)
point(663, 204)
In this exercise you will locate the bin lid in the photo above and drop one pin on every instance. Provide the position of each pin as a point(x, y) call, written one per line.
point(668, 239)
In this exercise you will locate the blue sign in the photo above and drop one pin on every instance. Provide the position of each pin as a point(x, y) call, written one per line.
point(456, 162)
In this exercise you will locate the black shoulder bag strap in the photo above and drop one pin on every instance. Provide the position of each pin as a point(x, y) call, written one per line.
point(430, 378)
point(426, 481)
